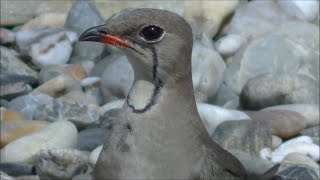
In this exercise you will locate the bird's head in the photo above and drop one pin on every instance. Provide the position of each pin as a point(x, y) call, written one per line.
point(158, 43)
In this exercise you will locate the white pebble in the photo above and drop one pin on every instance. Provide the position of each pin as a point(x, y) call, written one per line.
point(306, 10)
point(229, 44)
point(212, 115)
point(90, 81)
point(94, 155)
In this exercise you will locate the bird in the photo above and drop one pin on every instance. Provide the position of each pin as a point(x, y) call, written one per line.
point(159, 134)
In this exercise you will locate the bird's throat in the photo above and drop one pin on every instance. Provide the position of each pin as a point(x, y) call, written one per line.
point(142, 96)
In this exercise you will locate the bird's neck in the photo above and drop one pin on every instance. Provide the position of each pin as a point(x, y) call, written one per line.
point(144, 94)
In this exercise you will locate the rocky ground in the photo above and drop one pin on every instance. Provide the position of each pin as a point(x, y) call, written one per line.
point(255, 73)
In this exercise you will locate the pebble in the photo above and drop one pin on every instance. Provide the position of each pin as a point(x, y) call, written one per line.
point(56, 85)
point(298, 172)
point(89, 139)
point(276, 142)
point(17, 169)
point(208, 15)
point(13, 85)
point(207, 70)
point(117, 78)
point(94, 155)
point(303, 10)
point(300, 144)
point(51, 71)
point(78, 97)
point(19, 12)
point(212, 116)
point(229, 44)
point(108, 118)
point(77, 71)
point(274, 89)
point(299, 159)
point(6, 36)
point(4, 176)
point(27, 104)
point(281, 123)
point(11, 130)
point(257, 18)
point(53, 49)
point(312, 131)
point(247, 136)
point(309, 111)
point(46, 45)
point(252, 164)
point(82, 115)
point(60, 163)
point(82, 16)
point(226, 98)
point(61, 134)
point(11, 115)
point(269, 54)
point(51, 19)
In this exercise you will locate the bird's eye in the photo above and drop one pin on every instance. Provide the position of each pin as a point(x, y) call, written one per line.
point(152, 33)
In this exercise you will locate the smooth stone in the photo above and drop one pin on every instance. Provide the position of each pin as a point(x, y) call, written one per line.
point(274, 89)
point(5, 176)
point(51, 19)
point(53, 49)
point(94, 155)
point(89, 139)
point(207, 70)
point(4, 103)
point(19, 12)
point(82, 115)
point(229, 44)
point(298, 172)
point(82, 16)
point(46, 45)
point(62, 83)
point(281, 51)
point(51, 71)
point(95, 93)
point(208, 15)
point(252, 164)
point(257, 18)
point(225, 97)
point(60, 163)
point(27, 104)
point(212, 116)
point(281, 123)
point(116, 104)
point(61, 134)
point(28, 177)
point(304, 10)
point(6, 36)
point(13, 85)
point(299, 159)
point(12, 130)
point(77, 71)
point(17, 169)
point(247, 136)
point(117, 77)
point(90, 81)
point(276, 142)
point(11, 115)
point(309, 111)
point(300, 144)
point(78, 97)
point(83, 177)
point(108, 118)
point(311, 131)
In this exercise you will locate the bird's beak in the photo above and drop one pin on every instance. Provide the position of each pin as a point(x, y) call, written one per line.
point(99, 34)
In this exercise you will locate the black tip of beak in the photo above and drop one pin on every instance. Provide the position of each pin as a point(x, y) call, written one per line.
point(93, 34)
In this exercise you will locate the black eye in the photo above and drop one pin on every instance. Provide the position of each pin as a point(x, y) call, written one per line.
point(151, 33)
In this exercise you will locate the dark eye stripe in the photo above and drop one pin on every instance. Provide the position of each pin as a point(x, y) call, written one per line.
point(151, 33)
